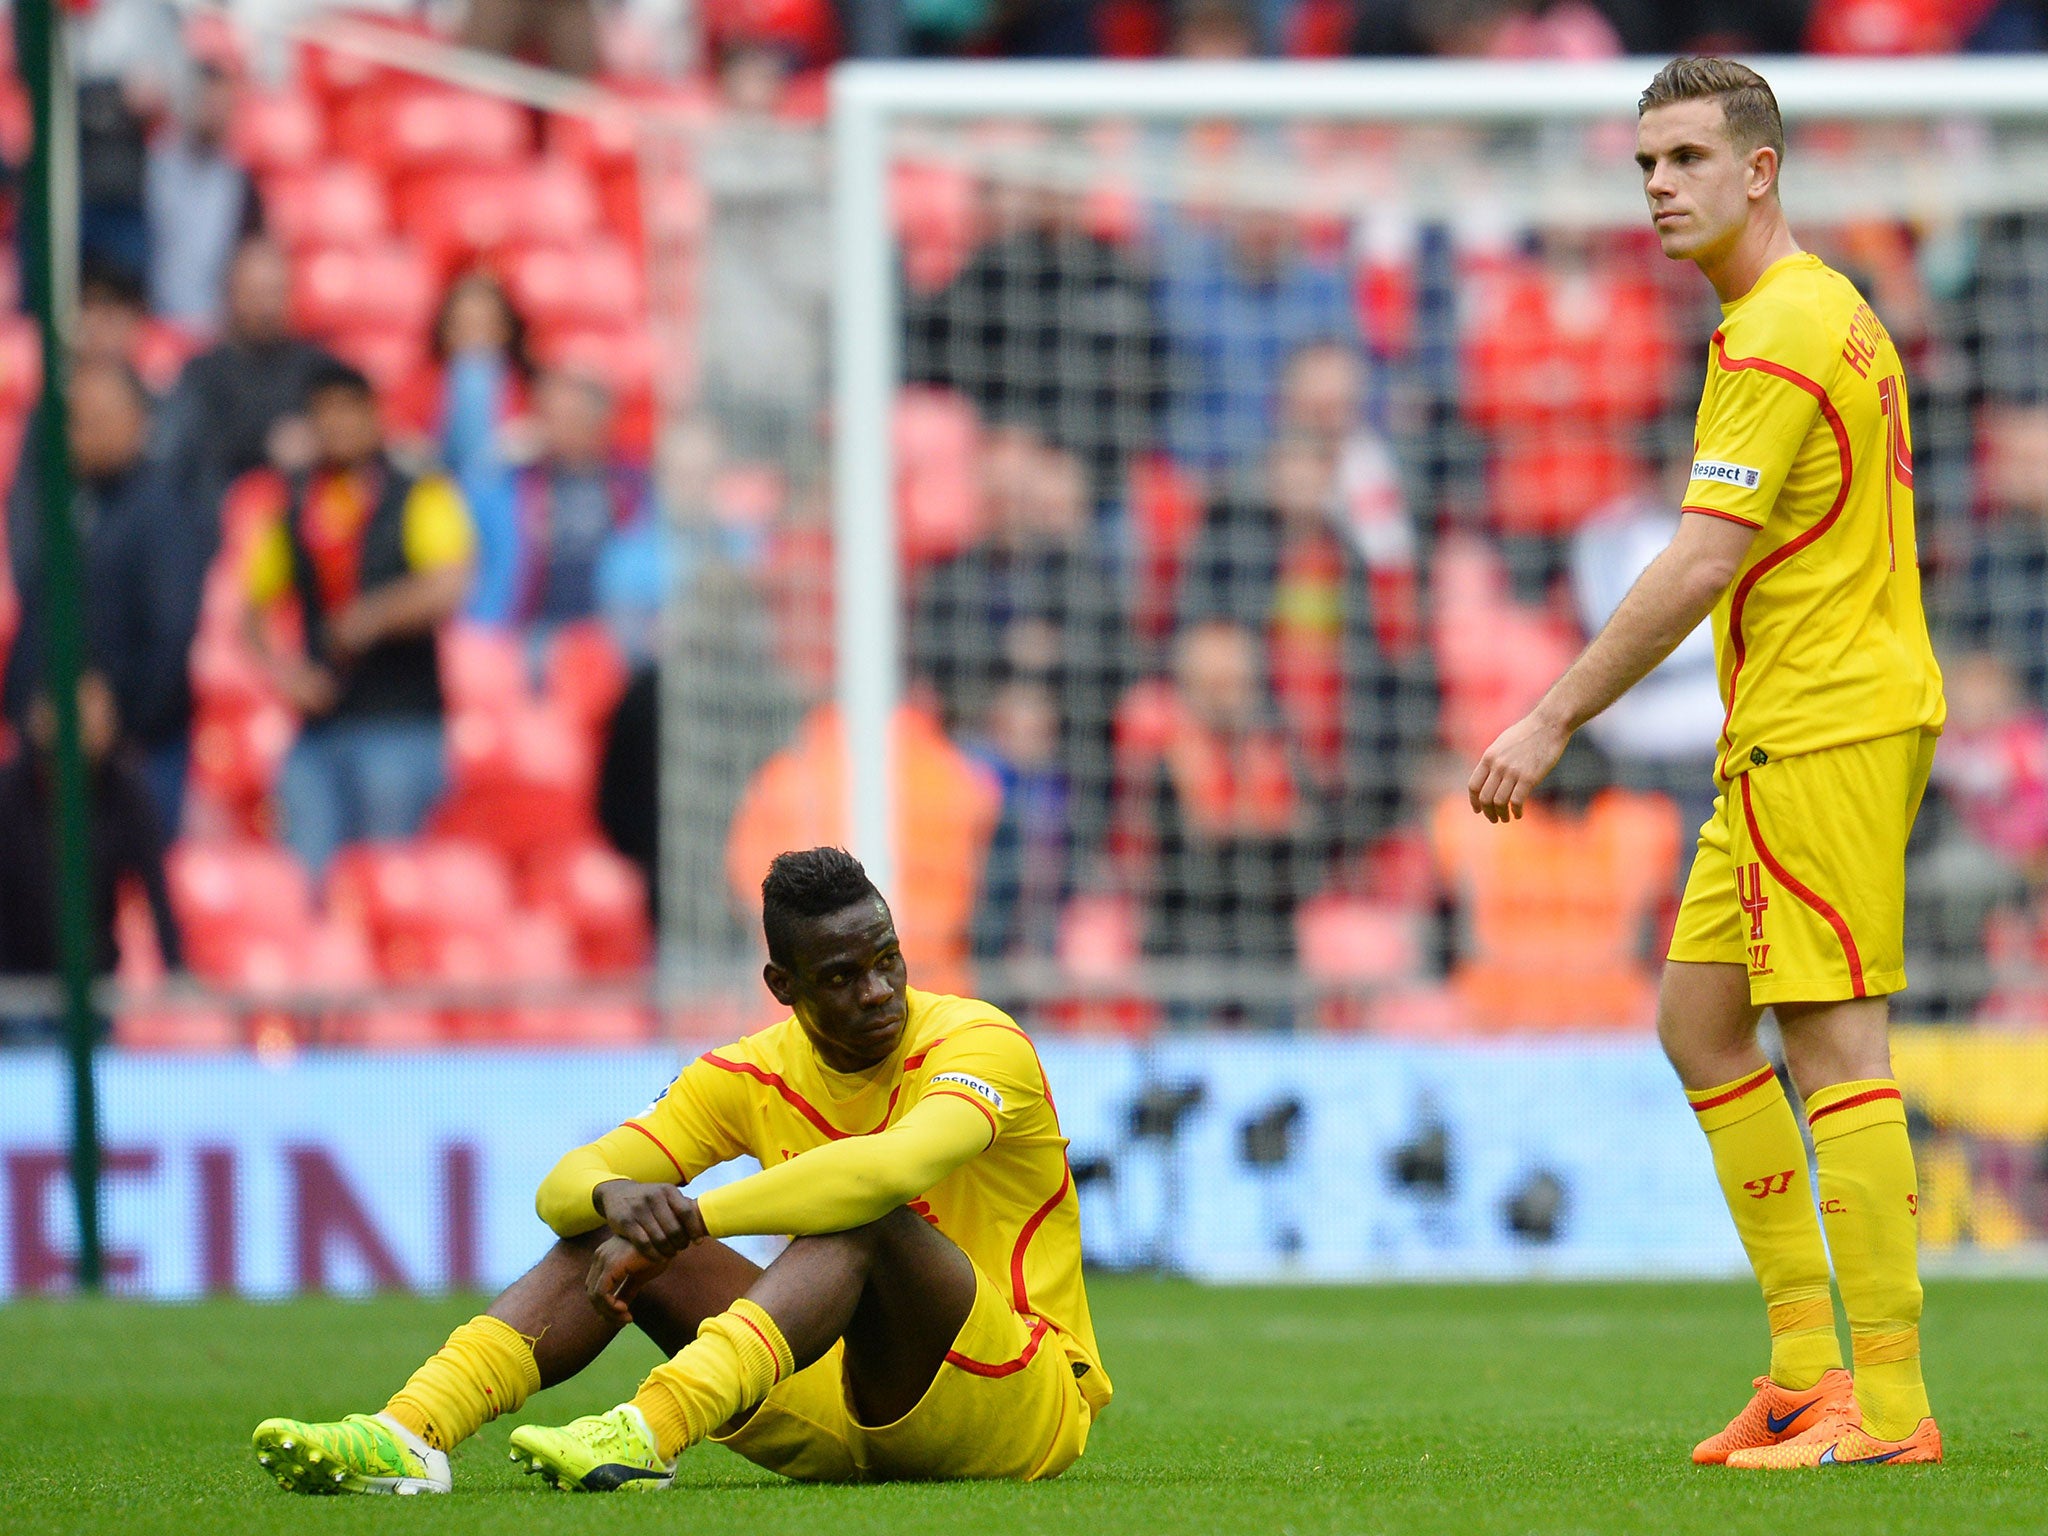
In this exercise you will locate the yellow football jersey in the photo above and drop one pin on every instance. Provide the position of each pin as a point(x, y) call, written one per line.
point(1012, 1209)
point(1802, 433)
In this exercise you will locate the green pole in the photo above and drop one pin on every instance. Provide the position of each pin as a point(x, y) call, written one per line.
point(50, 214)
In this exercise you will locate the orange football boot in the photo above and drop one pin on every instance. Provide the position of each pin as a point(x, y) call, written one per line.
point(1776, 1414)
point(1839, 1440)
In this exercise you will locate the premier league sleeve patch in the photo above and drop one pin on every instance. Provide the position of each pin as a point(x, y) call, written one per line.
point(1724, 473)
point(973, 1085)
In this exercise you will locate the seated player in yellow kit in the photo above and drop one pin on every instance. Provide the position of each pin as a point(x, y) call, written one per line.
point(1797, 535)
point(927, 1320)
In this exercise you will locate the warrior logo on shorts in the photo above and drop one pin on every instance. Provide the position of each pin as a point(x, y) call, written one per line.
point(1749, 890)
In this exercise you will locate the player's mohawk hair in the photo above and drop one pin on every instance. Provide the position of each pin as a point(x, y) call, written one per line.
point(809, 882)
point(1748, 105)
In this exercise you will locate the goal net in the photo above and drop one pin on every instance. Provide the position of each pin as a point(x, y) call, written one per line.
point(1224, 455)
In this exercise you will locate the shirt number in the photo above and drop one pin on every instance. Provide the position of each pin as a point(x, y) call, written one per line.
point(1891, 399)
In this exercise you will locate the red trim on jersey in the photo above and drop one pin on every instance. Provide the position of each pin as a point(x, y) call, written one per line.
point(802, 1105)
point(1008, 1367)
point(1726, 517)
point(1790, 547)
point(680, 1173)
point(1018, 1298)
point(810, 1111)
point(955, 1093)
point(1784, 878)
point(1743, 1089)
point(1855, 1099)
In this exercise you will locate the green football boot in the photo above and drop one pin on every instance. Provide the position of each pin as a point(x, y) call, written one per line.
point(361, 1454)
point(605, 1453)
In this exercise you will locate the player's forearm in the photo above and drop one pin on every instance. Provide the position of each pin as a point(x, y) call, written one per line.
point(1667, 603)
point(847, 1184)
point(564, 1201)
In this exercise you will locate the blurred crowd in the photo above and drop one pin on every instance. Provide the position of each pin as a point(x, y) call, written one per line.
point(1231, 534)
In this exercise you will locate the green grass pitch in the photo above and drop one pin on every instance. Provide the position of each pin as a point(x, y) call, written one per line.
point(1454, 1409)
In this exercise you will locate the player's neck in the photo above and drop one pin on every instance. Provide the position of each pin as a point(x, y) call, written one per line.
point(1765, 240)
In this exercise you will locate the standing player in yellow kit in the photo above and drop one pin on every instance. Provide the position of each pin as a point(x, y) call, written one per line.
point(927, 1320)
point(1798, 538)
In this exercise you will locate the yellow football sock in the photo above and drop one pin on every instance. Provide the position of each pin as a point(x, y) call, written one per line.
point(737, 1359)
point(1870, 1202)
point(1761, 1163)
point(486, 1368)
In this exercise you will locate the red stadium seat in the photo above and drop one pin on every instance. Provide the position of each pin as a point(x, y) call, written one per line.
point(938, 492)
point(21, 363)
point(557, 204)
point(524, 779)
point(456, 214)
point(602, 900)
point(430, 128)
point(337, 203)
point(387, 354)
point(594, 285)
point(408, 896)
point(339, 289)
point(482, 668)
point(226, 894)
point(276, 131)
point(936, 210)
point(586, 673)
point(603, 140)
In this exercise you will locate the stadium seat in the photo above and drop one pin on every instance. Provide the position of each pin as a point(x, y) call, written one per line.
point(21, 364)
point(387, 354)
point(1348, 939)
point(1495, 657)
point(228, 894)
point(425, 128)
point(408, 896)
point(335, 203)
point(602, 901)
point(338, 289)
point(938, 489)
point(276, 131)
point(586, 673)
point(523, 779)
point(482, 668)
point(936, 211)
point(1101, 936)
point(595, 285)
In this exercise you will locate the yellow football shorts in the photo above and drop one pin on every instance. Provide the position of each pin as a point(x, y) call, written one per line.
point(1004, 1405)
point(1801, 872)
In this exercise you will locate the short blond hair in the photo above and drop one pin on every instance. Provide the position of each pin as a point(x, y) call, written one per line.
point(1747, 104)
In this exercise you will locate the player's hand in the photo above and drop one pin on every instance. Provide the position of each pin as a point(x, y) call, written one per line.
point(1520, 758)
point(617, 1271)
point(657, 1219)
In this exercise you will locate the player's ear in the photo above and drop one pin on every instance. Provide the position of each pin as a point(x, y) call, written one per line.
point(1763, 171)
point(780, 984)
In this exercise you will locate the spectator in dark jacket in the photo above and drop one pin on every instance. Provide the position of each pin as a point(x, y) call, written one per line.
point(127, 842)
point(144, 552)
point(377, 563)
point(1276, 560)
point(1031, 601)
point(1052, 327)
point(241, 405)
